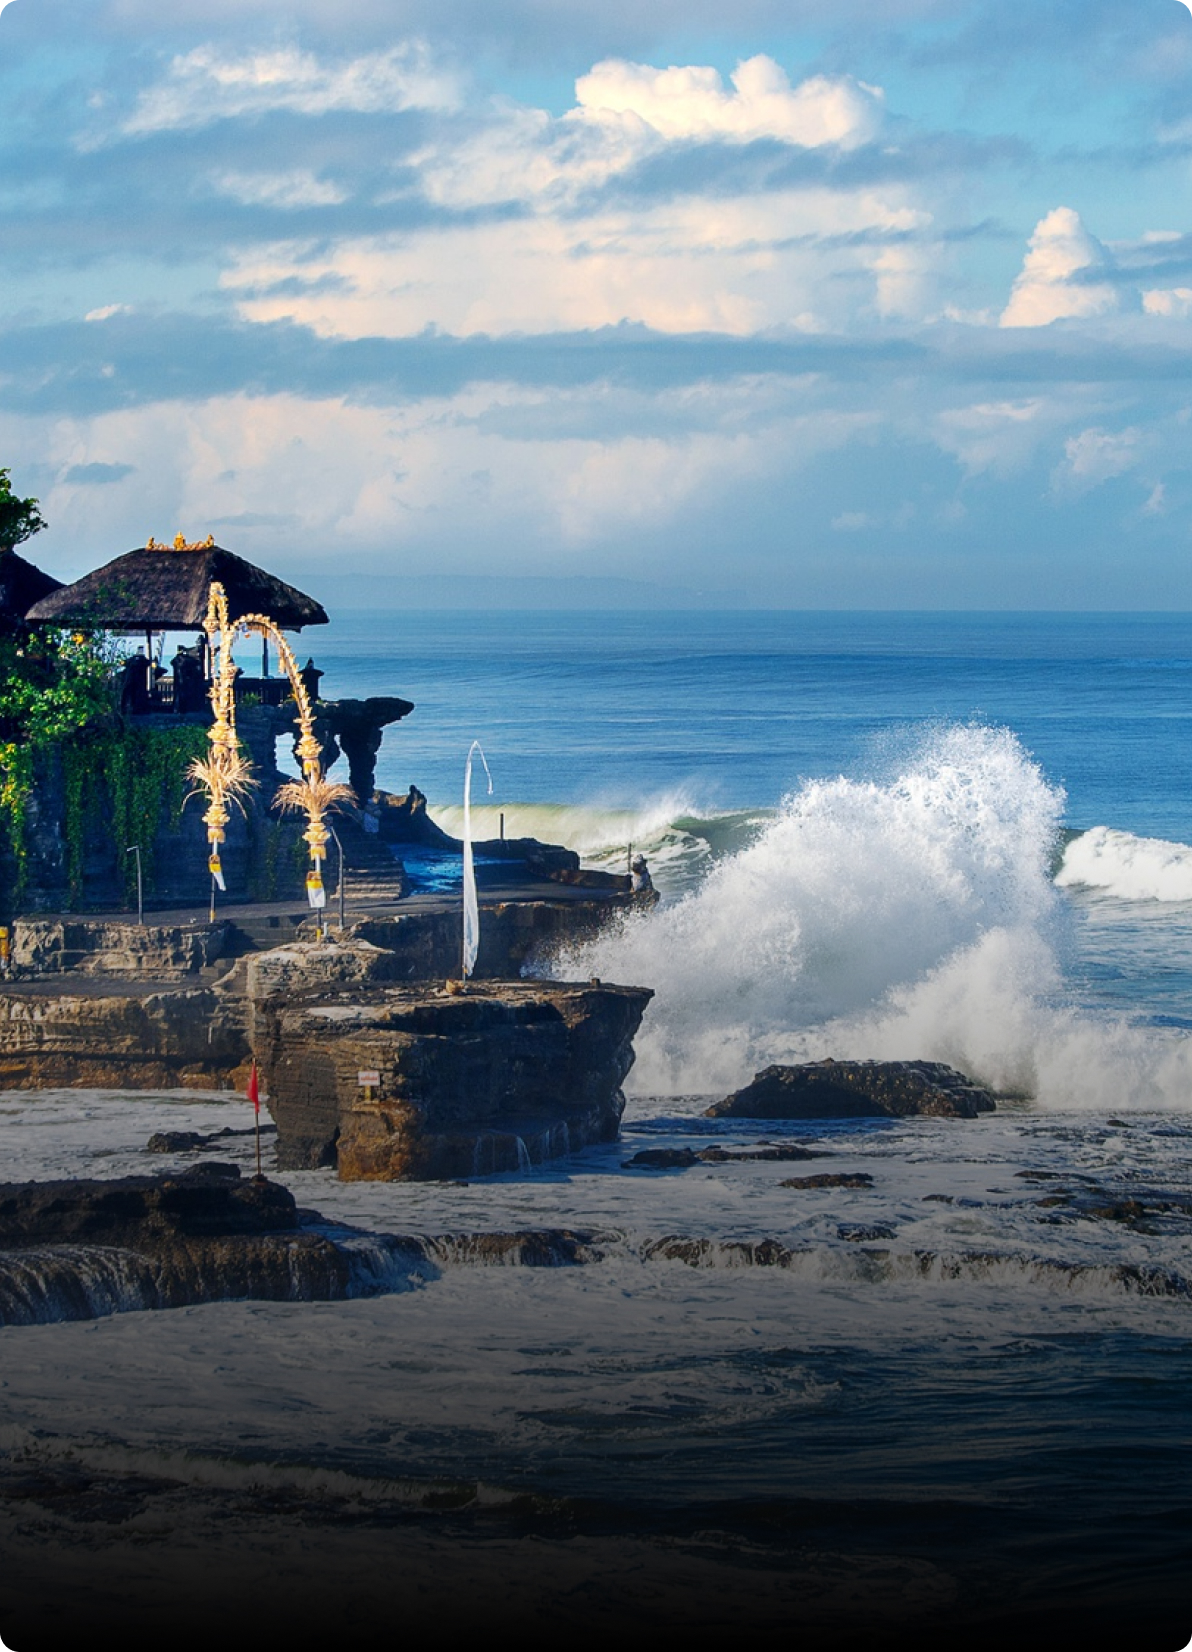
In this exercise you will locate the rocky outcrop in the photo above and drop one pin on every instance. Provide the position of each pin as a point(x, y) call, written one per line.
point(856, 1089)
point(139, 1210)
point(128, 1040)
point(469, 1082)
point(128, 951)
point(514, 934)
point(75, 1250)
point(407, 820)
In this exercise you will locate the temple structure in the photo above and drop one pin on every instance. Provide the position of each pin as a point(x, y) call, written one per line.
point(149, 593)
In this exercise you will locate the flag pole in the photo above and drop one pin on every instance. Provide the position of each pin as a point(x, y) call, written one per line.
point(254, 1095)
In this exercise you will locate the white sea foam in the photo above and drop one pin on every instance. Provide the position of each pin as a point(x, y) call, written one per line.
point(1128, 867)
point(911, 916)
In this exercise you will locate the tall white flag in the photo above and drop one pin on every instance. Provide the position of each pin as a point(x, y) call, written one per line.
point(471, 904)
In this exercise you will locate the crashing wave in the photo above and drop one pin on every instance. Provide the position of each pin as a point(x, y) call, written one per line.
point(1128, 867)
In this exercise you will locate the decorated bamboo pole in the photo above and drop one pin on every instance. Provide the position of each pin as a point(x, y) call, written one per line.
point(225, 774)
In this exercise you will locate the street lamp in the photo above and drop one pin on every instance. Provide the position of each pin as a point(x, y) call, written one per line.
point(136, 850)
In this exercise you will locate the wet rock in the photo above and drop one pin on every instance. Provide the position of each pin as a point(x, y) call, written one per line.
point(76, 1250)
point(779, 1155)
point(175, 1141)
point(193, 1141)
point(863, 1233)
point(861, 1179)
point(663, 1158)
point(209, 1200)
point(856, 1089)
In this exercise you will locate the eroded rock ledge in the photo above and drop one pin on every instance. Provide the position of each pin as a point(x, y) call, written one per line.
point(856, 1090)
point(469, 1083)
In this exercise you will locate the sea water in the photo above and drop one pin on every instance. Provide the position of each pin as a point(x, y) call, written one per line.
point(953, 1394)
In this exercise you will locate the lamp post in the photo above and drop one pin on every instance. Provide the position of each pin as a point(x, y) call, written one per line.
point(136, 850)
point(340, 847)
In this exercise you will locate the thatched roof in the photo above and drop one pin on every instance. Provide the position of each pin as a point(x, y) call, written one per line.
point(22, 585)
point(164, 588)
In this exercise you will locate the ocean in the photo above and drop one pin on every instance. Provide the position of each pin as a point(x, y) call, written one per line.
point(946, 1404)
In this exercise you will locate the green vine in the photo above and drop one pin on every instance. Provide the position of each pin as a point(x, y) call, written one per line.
point(136, 776)
point(52, 685)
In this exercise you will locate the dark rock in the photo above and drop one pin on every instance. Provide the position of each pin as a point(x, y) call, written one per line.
point(192, 1141)
point(662, 1158)
point(1118, 1210)
point(781, 1155)
point(207, 1201)
point(856, 1089)
point(859, 1180)
point(175, 1141)
point(862, 1233)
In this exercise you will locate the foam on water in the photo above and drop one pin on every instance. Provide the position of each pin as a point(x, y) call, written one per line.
point(907, 916)
point(1128, 867)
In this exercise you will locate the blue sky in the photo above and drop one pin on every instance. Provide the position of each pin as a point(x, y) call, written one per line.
point(847, 305)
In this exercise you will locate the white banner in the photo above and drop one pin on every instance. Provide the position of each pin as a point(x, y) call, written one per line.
point(471, 904)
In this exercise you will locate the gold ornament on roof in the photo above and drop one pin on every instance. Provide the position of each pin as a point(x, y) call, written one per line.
point(181, 543)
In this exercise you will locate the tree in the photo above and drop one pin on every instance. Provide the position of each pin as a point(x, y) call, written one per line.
point(20, 519)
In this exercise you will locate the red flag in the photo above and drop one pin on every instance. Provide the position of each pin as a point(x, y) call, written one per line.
point(254, 1089)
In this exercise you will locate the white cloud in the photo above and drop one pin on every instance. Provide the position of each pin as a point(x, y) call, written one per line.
point(689, 265)
point(1060, 249)
point(997, 437)
point(1168, 301)
point(625, 111)
point(1094, 456)
point(205, 85)
point(691, 102)
point(279, 189)
point(106, 311)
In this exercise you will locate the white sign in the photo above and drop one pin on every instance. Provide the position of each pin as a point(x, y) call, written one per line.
point(368, 1079)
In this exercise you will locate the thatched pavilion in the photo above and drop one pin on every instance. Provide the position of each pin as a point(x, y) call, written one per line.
point(159, 588)
point(164, 588)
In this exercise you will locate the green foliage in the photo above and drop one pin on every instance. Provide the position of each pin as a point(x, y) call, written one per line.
point(20, 519)
point(53, 684)
point(134, 779)
point(58, 692)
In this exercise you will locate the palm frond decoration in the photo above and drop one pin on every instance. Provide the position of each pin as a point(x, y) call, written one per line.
point(225, 773)
point(314, 796)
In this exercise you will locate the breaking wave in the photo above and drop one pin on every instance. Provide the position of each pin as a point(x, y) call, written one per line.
point(911, 916)
point(1128, 867)
point(678, 838)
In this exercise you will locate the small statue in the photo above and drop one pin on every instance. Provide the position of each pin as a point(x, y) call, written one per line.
point(639, 873)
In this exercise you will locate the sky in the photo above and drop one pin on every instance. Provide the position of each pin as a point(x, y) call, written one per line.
point(839, 304)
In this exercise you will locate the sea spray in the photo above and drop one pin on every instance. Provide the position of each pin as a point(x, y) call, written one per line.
point(908, 917)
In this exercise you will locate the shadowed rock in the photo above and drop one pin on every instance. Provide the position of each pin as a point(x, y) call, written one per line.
point(858, 1180)
point(856, 1089)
